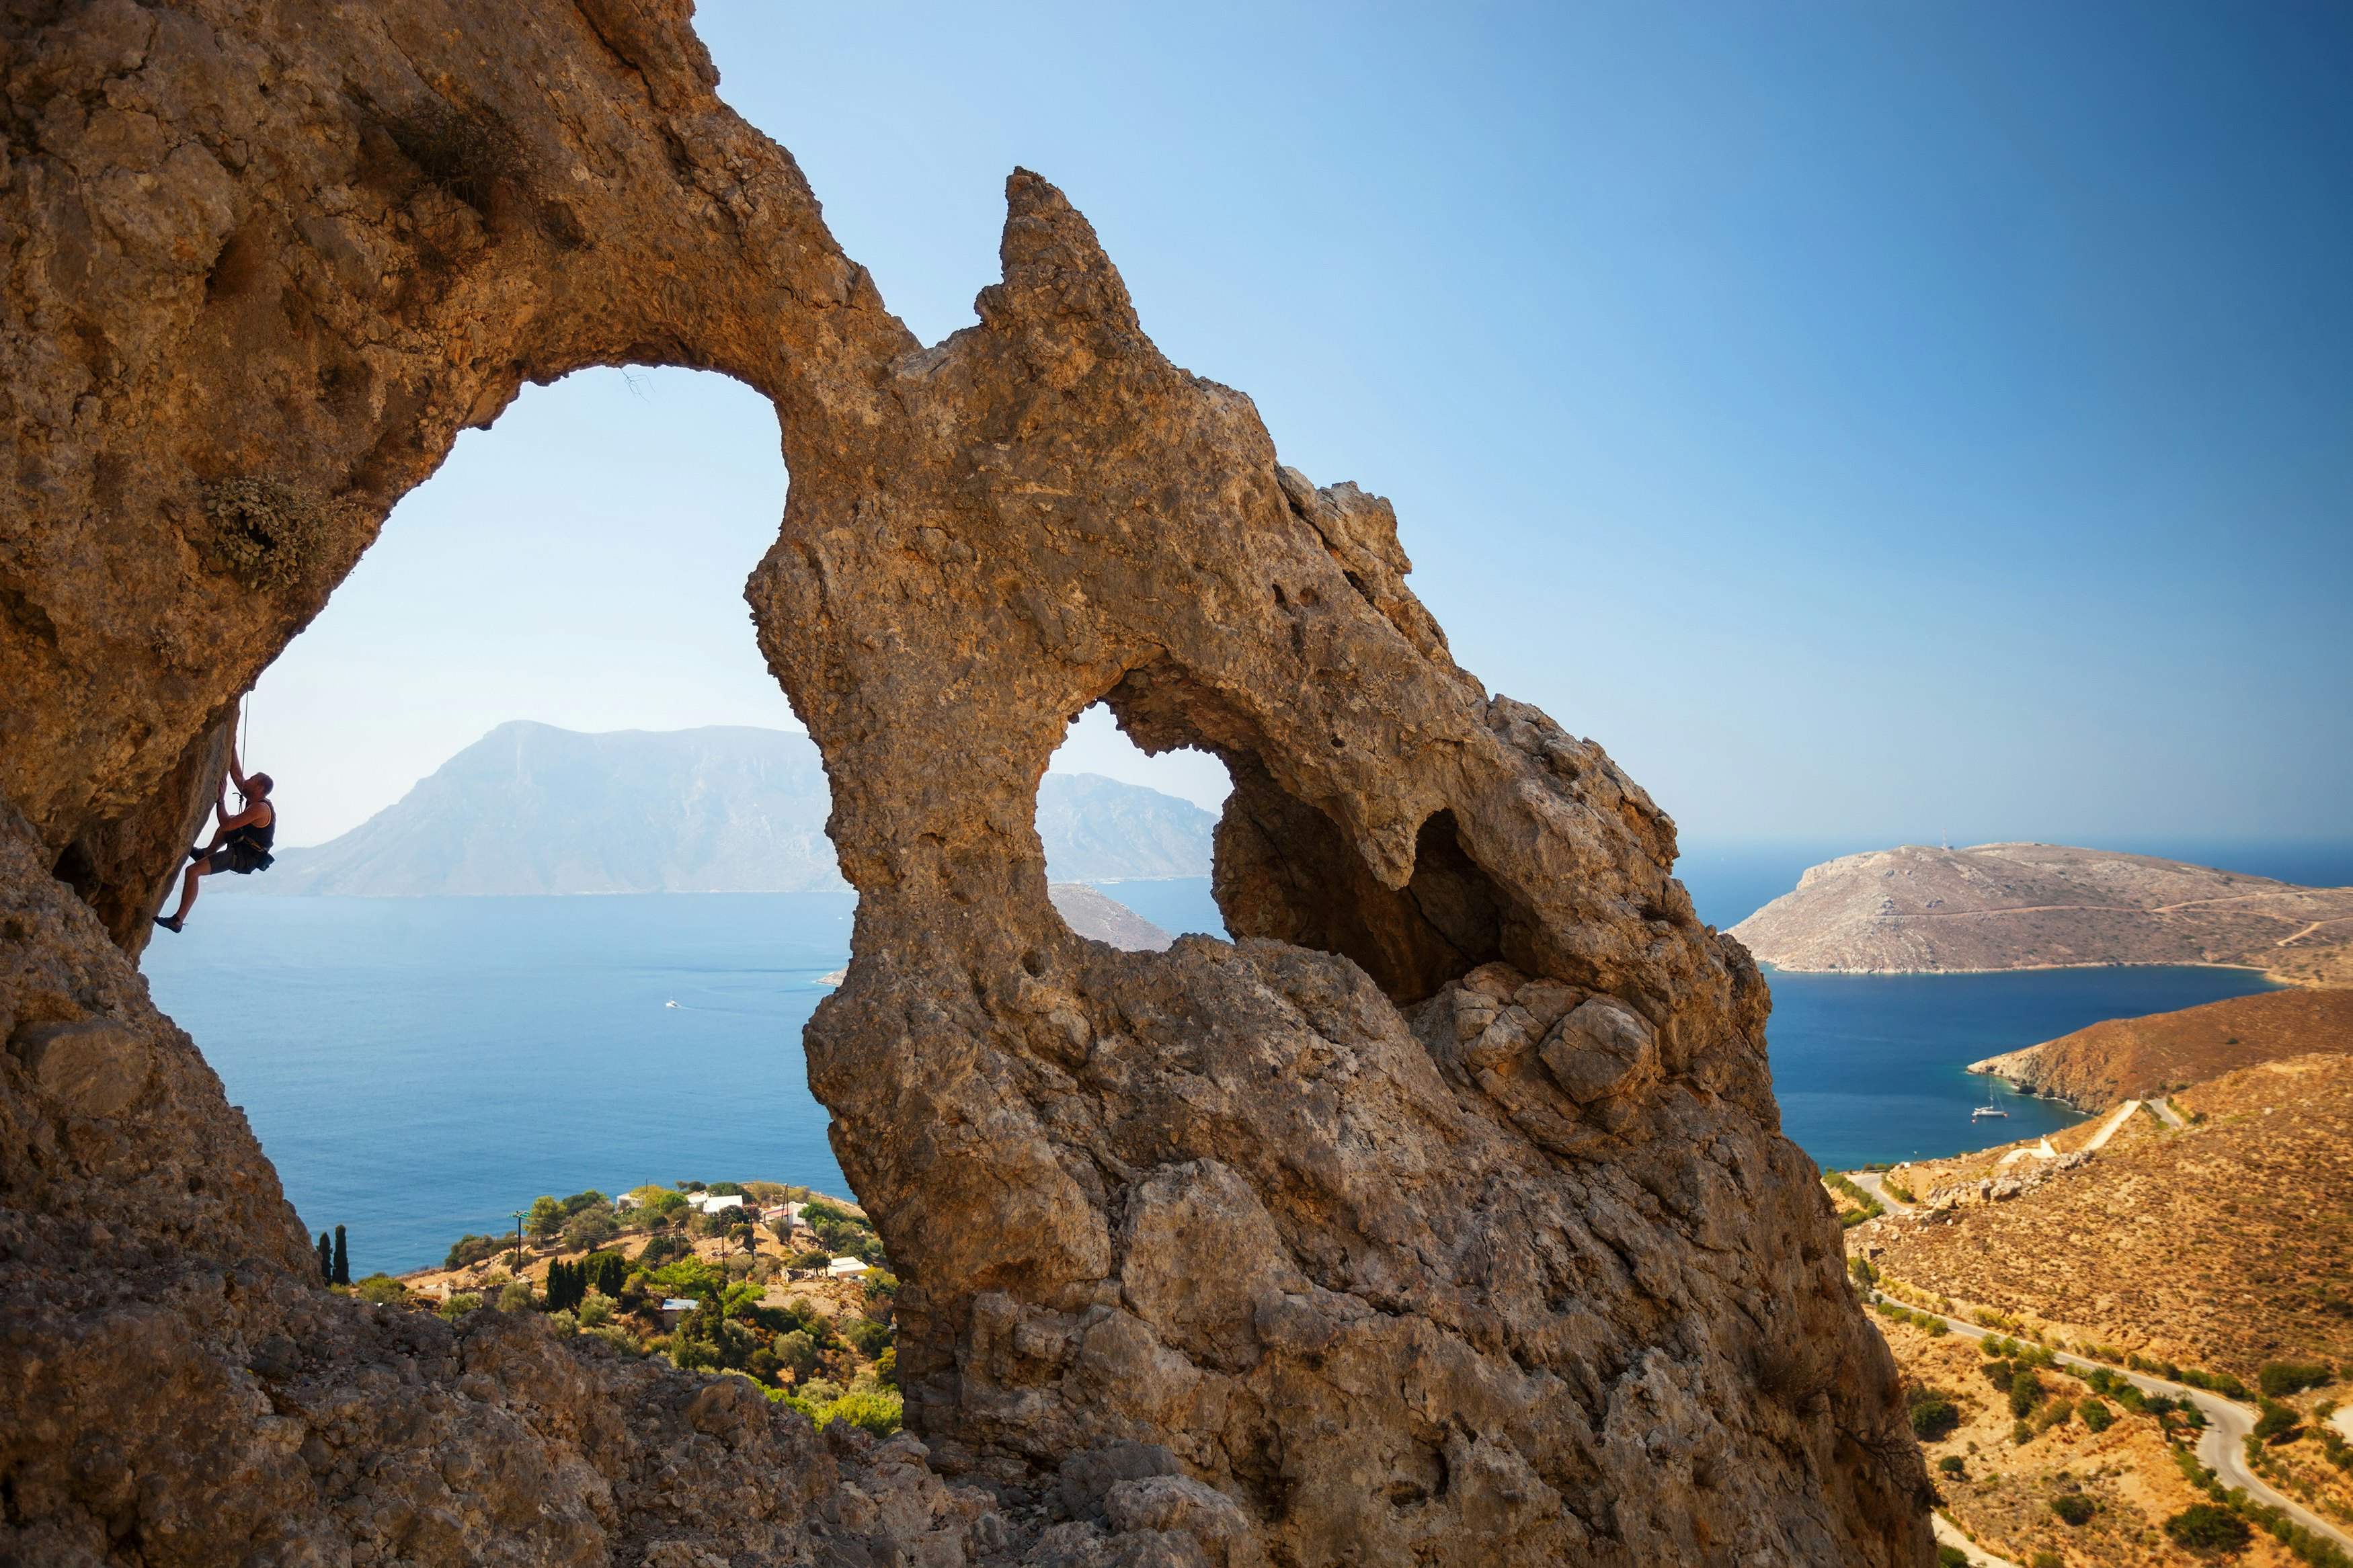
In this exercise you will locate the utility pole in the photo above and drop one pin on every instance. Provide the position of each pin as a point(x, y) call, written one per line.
point(518, 1251)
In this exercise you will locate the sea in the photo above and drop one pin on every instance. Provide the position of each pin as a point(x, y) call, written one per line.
point(421, 1068)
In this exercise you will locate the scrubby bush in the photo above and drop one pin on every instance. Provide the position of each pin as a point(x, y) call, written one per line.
point(2021, 1433)
point(516, 1297)
point(2073, 1507)
point(2221, 1383)
point(881, 1414)
point(1952, 1557)
point(459, 1305)
point(2046, 1559)
point(1933, 1413)
point(590, 1228)
point(2278, 1424)
point(2278, 1379)
point(870, 1337)
point(472, 1250)
point(1952, 1465)
point(2097, 1416)
point(382, 1289)
point(815, 1258)
point(796, 1350)
point(565, 1323)
point(596, 1310)
point(2205, 1527)
point(2025, 1392)
point(886, 1367)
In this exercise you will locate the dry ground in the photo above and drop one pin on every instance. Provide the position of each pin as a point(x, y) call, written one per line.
point(2222, 1245)
point(2003, 1499)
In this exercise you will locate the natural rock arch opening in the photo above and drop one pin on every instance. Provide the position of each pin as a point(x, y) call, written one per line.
point(1285, 870)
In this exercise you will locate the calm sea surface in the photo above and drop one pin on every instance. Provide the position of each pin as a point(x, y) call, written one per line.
point(422, 1068)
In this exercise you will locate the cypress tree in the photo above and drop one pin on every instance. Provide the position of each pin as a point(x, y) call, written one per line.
point(343, 1275)
point(326, 1260)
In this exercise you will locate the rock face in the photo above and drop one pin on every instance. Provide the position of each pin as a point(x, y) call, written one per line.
point(1445, 1216)
point(2130, 1058)
point(2040, 906)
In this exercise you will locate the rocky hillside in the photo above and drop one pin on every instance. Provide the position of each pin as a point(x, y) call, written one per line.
point(2127, 1059)
point(1101, 917)
point(2040, 906)
point(2224, 1243)
point(530, 808)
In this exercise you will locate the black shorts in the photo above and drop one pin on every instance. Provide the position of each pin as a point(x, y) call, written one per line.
point(242, 858)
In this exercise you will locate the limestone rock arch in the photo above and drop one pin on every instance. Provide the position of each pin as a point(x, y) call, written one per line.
point(1444, 1218)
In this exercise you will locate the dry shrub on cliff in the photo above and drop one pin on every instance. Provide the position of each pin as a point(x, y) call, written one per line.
point(262, 530)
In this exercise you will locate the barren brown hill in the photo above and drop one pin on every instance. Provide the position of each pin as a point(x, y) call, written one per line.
point(2125, 1058)
point(2225, 1244)
point(2046, 906)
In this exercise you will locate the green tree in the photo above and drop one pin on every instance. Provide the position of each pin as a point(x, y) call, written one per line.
point(2073, 1507)
point(1933, 1413)
point(2205, 1527)
point(381, 1287)
point(546, 1216)
point(797, 1350)
point(326, 1260)
point(886, 1367)
point(343, 1259)
point(2278, 1379)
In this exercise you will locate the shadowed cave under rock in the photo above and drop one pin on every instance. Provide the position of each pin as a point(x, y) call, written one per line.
point(1213, 1256)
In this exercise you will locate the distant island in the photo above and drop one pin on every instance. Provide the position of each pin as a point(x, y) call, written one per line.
point(534, 809)
point(2040, 906)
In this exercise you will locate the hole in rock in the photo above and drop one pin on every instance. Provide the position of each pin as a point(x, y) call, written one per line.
point(1130, 836)
point(1284, 869)
point(554, 897)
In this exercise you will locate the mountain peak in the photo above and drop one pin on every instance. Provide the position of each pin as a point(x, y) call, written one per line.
point(534, 808)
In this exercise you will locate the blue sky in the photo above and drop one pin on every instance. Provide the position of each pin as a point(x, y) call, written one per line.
point(1866, 421)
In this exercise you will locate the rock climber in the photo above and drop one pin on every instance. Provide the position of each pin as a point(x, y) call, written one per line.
point(240, 844)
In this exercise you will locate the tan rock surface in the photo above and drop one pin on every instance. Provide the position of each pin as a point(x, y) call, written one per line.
point(2039, 905)
point(1445, 1216)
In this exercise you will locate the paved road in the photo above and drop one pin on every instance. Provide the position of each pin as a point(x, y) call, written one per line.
point(1950, 1535)
point(2166, 1113)
point(2220, 1447)
point(2108, 1128)
point(1875, 1183)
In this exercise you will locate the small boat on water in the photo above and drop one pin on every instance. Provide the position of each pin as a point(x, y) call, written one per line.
point(1987, 1108)
point(673, 1002)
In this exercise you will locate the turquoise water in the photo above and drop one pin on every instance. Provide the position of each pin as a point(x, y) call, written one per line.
point(421, 1067)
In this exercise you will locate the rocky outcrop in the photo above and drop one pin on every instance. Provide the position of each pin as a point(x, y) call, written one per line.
point(1444, 1215)
point(2122, 1058)
point(2042, 906)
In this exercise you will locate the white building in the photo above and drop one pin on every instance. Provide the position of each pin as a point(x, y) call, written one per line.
point(846, 1267)
point(711, 1202)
